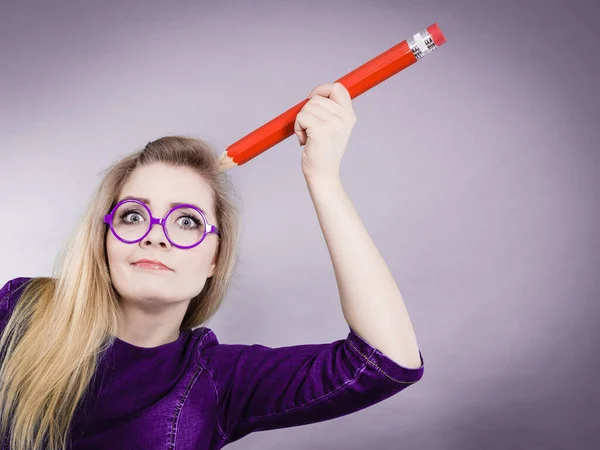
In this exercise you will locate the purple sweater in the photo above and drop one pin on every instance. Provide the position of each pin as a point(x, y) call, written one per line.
point(196, 393)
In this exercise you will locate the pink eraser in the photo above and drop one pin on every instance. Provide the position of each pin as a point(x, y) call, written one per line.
point(436, 34)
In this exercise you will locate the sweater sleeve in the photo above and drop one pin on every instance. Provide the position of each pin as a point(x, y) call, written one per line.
point(261, 388)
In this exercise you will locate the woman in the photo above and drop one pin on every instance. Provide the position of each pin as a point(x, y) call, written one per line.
point(110, 353)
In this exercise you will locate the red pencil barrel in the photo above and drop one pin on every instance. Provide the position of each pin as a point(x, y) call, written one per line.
point(378, 69)
point(356, 82)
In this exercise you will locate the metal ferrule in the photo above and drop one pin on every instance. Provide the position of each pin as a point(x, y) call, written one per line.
point(421, 44)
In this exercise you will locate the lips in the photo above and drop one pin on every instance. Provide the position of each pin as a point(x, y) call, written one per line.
point(151, 263)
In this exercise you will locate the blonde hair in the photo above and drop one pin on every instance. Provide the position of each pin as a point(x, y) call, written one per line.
point(60, 325)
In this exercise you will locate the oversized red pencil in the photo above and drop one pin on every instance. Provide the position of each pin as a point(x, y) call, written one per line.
point(370, 74)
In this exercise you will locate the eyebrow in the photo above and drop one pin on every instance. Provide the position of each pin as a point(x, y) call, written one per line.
point(147, 201)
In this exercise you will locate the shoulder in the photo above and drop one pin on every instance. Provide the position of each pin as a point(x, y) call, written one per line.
point(9, 295)
point(10, 292)
point(215, 354)
point(222, 360)
point(13, 285)
point(211, 351)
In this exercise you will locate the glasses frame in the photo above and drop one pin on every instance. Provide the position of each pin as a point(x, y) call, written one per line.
point(108, 218)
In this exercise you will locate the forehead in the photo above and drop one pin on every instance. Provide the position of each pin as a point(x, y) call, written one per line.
point(163, 185)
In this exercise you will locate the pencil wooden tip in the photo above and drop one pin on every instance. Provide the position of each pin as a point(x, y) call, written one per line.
point(226, 162)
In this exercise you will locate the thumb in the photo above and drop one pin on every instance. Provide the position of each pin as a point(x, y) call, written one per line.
point(300, 133)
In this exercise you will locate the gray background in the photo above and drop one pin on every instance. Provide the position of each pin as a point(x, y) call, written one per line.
point(475, 172)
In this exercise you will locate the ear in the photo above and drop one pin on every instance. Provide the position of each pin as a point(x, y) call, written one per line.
point(211, 271)
point(213, 264)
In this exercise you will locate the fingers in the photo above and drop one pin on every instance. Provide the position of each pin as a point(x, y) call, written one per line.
point(336, 92)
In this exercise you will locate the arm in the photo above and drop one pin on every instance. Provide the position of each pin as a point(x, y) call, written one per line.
point(261, 388)
point(371, 302)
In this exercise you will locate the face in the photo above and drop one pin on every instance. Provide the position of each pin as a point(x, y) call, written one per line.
point(149, 288)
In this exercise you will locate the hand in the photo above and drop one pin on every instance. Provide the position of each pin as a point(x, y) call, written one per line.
point(323, 127)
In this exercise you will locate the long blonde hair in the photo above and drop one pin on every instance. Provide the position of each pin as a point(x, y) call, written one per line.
point(61, 325)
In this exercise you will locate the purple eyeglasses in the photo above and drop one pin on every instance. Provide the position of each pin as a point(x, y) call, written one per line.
point(131, 232)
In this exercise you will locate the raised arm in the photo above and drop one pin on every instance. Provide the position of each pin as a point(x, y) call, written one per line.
point(370, 299)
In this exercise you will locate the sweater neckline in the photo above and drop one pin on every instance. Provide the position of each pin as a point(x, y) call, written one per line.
point(169, 345)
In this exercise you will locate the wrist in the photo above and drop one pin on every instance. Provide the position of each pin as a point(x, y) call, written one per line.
point(325, 181)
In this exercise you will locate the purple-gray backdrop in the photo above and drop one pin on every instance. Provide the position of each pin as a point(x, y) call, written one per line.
point(486, 213)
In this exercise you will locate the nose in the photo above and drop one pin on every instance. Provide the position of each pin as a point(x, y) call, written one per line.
point(156, 234)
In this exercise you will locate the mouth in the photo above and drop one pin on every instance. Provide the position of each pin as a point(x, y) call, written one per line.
point(150, 265)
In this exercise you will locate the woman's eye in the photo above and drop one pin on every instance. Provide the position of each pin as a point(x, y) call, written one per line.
point(131, 217)
point(188, 221)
